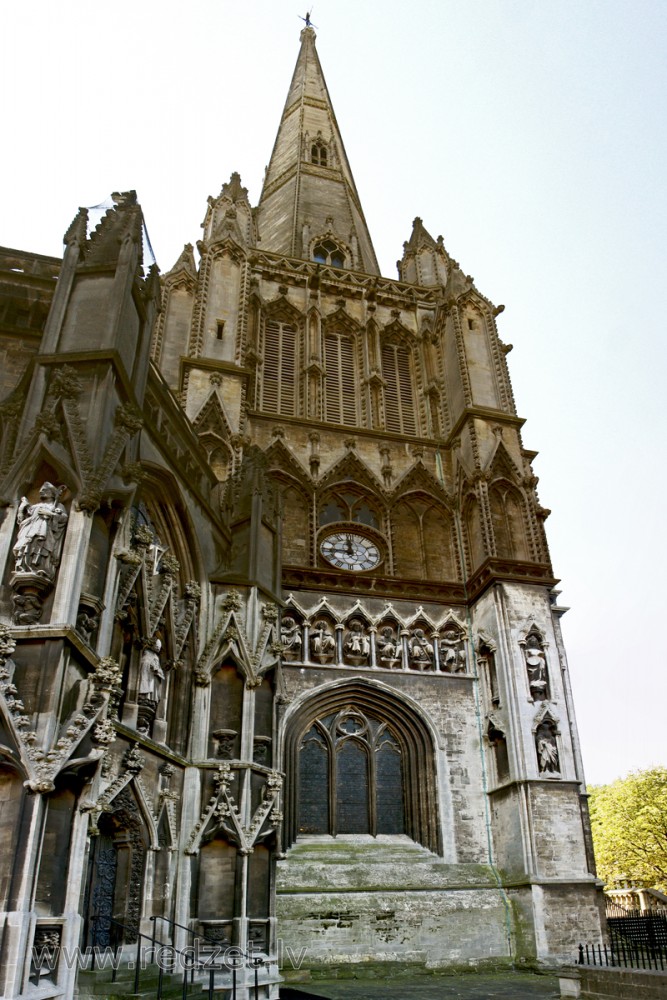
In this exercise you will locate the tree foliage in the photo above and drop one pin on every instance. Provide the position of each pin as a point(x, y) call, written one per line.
point(629, 822)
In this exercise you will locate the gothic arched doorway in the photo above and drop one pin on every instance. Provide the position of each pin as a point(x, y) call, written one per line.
point(116, 874)
point(360, 760)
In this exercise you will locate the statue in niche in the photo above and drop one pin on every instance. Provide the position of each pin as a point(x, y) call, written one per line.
point(420, 651)
point(356, 646)
point(389, 649)
point(290, 637)
point(453, 657)
point(322, 642)
point(151, 674)
point(547, 753)
point(536, 665)
point(40, 536)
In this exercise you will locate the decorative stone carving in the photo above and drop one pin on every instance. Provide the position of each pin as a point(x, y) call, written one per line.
point(290, 638)
point(41, 527)
point(45, 949)
point(420, 651)
point(453, 658)
point(27, 608)
point(261, 750)
point(225, 740)
point(388, 648)
point(322, 642)
point(536, 665)
point(546, 745)
point(86, 624)
point(356, 645)
point(151, 674)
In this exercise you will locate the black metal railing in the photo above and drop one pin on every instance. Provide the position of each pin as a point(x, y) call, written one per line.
point(623, 955)
point(188, 958)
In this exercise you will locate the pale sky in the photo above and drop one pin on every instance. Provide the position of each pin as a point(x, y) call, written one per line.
point(530, 133)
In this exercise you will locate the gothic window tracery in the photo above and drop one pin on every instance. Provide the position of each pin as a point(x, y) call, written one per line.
point(348, 505)
point(422, 540)
point(350, 776)
point(318, 154)
point(508, 521)
point(328, 252)
point(399, 396)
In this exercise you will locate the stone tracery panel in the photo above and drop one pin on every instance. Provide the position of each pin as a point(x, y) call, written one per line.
point(386, 750)
point(423, 540)
point(509, 523)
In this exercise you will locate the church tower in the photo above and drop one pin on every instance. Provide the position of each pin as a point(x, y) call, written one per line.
point(280, 655)
point(424, 721)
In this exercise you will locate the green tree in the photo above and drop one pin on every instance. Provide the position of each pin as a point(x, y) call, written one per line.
point(629, 822)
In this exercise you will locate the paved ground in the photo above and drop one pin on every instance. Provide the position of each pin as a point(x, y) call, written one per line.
point(487, 986)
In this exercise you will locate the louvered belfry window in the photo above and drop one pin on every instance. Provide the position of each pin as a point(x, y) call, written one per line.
point(399, 400)
point(280, 369)
point(340, 386)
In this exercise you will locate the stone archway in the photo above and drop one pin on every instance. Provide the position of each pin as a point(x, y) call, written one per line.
point(359, 759)
point(116, 874)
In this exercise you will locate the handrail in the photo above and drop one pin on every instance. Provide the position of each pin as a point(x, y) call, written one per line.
point(253, 961)
point(174, 923)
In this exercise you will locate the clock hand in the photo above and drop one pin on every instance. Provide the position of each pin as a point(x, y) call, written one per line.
point(348, 545)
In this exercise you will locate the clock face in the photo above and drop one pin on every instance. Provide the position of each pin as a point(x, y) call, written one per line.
point(347, 550)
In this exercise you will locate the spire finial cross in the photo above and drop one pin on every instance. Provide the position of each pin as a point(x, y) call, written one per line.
point(308, 22)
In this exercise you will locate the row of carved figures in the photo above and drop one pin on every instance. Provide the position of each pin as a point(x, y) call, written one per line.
point(386, 646)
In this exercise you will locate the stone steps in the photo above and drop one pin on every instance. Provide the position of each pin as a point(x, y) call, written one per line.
point(348, 864)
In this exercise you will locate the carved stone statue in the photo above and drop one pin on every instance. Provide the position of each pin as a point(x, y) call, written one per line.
point(322, 642)
point(536, 665)
point(356, 646)
point(420, 651)
point(547, 755)
point(290, 637)
point(388, 646)
point(39, 541)
point(452, 651)
point(151, 674)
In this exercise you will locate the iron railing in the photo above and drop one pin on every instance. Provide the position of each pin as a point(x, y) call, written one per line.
point(623, 955)
point(189, 961)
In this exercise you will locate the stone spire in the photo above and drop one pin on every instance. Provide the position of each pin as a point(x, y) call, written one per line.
point(309, 197)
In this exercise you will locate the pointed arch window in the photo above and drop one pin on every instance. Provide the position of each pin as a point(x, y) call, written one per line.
point(348, 505)
point(318, 154)
point(340, 384)
point(399, 397)
point(279, 376)
point(350, 776)
point(509, 526)
point(328, 252)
